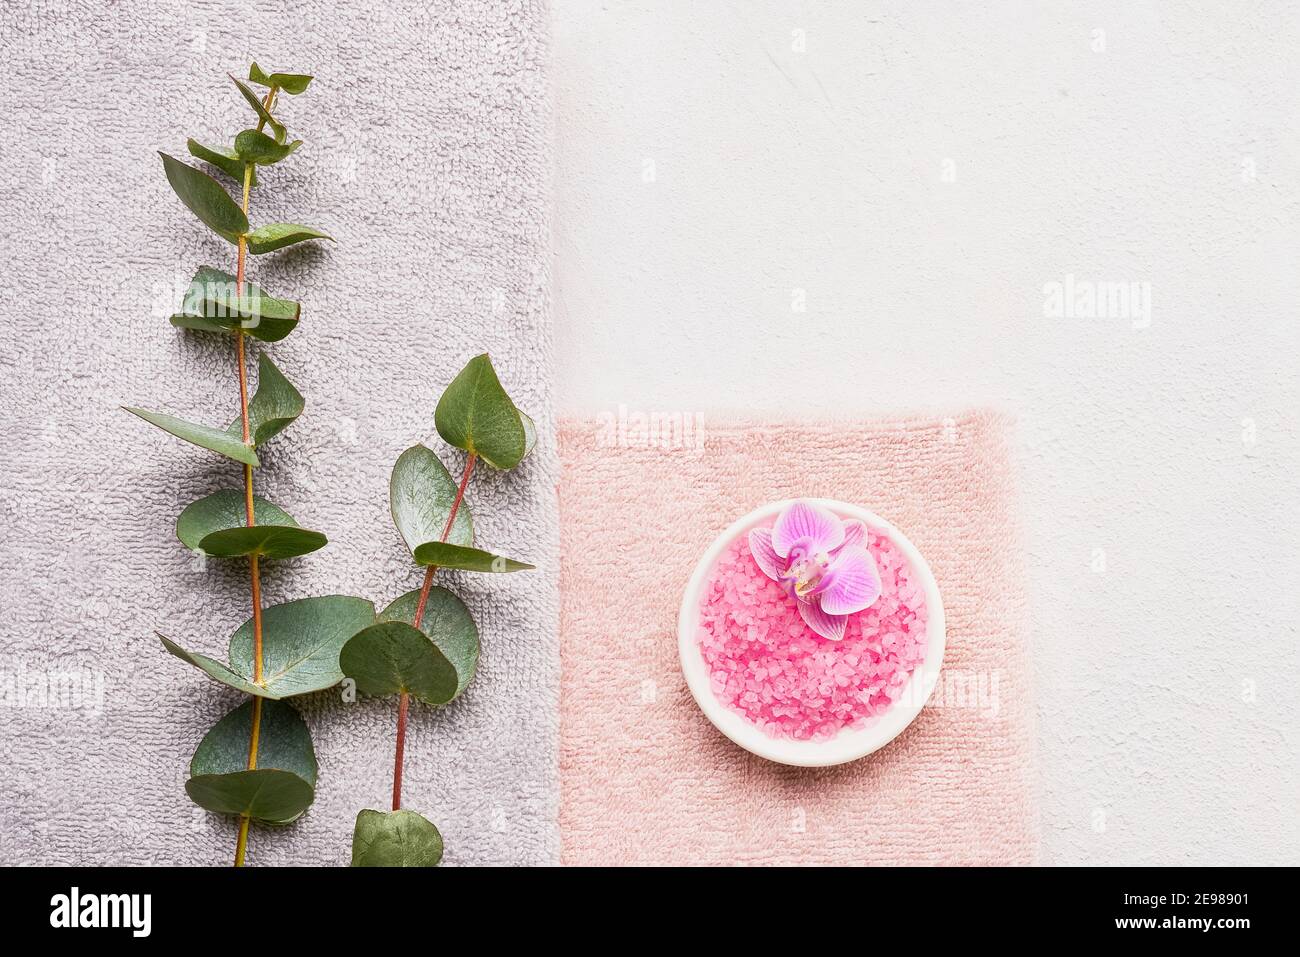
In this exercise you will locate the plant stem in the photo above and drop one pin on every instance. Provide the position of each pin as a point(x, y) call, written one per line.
point(254, 574)
point(241, 842)
point(451, 517)
point(402, 704)
point(404, 701)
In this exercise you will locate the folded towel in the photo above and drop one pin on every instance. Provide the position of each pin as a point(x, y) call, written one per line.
point(426, 154)
point(645, 779)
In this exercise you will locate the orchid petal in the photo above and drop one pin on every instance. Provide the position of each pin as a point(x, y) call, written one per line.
point(817, 529)
point(855, 533)
point(828, 626)
point(851, 583)
point(760, 546)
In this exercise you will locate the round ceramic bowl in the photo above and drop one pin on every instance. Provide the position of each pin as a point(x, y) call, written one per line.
point(850, 743)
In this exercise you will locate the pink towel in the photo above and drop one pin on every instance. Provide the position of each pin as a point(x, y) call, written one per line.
point(645, 779)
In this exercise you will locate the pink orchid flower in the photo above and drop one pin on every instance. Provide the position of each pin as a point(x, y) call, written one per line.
point(822, 562)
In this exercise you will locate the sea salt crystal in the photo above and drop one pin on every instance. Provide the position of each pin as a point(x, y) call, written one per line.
point(771, 668)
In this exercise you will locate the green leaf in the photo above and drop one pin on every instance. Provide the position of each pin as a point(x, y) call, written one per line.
point(447, 623)
point(215, 526)
point(392, 657)
point(266, 239)
point(274, 405)
point(284, 783)
point(222, 510)
point(268, 541)
point(254, 146)
point(255, 101)
point(420, 495)
point(204, 436)
point(476, 415)
point(266, 794)
point(293, 83)
point(445, 555)
point(213, 303)
point(301, 641)
point(206, 199)
point(225, 160)
point(395, 839)
point(215, 669)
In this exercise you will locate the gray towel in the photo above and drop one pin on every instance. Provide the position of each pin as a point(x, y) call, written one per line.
point(427, 141)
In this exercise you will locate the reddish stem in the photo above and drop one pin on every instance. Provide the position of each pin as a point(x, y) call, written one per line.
point(404, 701)
point(402, 705)
point(451, 517)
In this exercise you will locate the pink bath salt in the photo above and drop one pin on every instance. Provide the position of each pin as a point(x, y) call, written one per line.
point(767, 665)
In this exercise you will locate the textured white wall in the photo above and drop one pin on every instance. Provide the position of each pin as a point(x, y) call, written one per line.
point(920, 171)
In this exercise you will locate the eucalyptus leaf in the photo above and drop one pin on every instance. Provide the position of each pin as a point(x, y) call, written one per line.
point(216, 526)
point(284, 783)
point(447, 623)
point(225, 160)
point(293, 83)
point(201, 323)
point(420, 494)
point(445, 555)
point(216, 670)
point(267, 541)
point(214, 303)
point(392, 657)
point(204, 436)
point(266, 239)
point(476, 414)
point(206, 199)
point(301, 641)
point(254, 146)
point(222, 510)
point(265, 794)
point(274, 405)
point(395, 839)
point(263, 114)
point(284, 742)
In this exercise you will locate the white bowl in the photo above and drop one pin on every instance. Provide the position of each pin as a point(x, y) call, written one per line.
point(850, 743)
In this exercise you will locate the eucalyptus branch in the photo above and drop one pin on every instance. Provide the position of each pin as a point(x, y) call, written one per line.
point(250, 517)
point(257, 762)
point(404, 698)
point(426, 645)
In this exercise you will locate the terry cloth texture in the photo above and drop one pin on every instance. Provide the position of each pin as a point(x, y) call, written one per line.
point(646, 779)
point(427, 155)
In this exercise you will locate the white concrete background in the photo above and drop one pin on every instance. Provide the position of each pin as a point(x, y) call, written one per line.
point(1112, 141)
